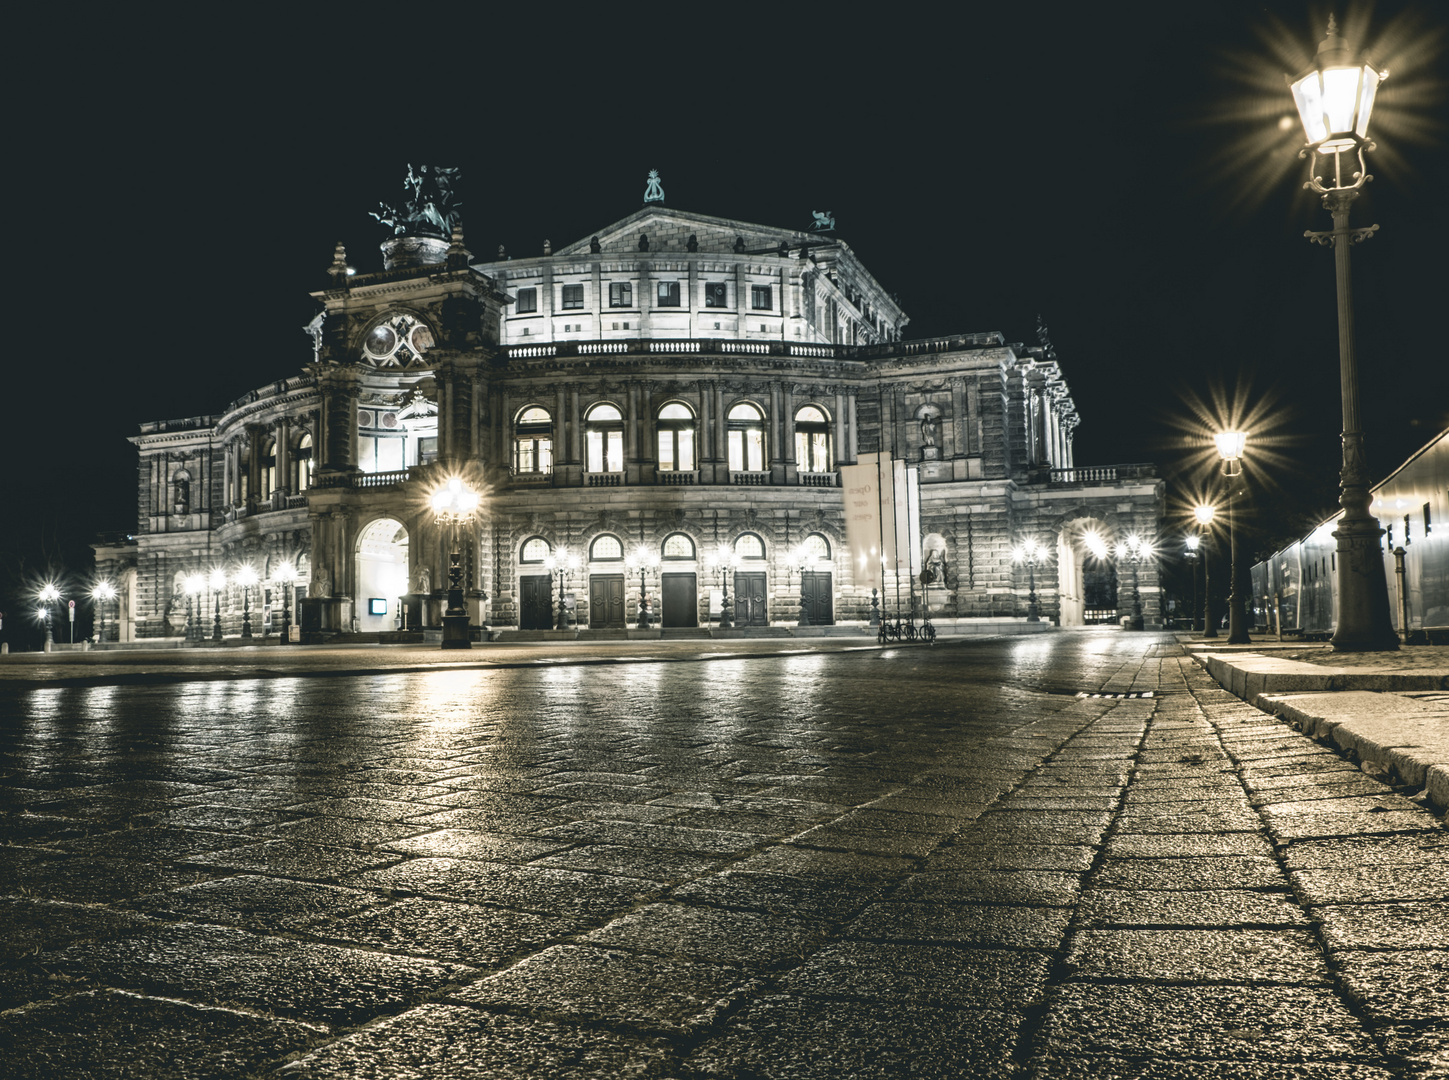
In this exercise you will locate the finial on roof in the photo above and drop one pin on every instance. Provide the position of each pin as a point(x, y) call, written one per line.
point(547, 248)
point(339, 268)
point(653, 190)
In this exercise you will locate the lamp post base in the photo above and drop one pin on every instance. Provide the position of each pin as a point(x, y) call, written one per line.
point(1364, 623)
point(455, 631)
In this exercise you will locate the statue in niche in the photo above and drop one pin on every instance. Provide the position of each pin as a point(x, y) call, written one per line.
point(594, 246)
point(739, 245)
point(321, 582)
point(182, 485)
point(692, 244)
point(433, 207)
point(425, 581)
point(643, 242)
point(930, 428)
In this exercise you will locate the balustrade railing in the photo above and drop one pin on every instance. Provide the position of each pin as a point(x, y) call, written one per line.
point(1102, 474)
point(675, 477)
point(605, 479)
point(819, 479)
point(750, 479)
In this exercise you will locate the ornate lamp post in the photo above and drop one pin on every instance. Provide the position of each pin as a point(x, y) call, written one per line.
point(49, 596)
point(562, 560)
point(1230, 449)
point(1204, 515)
point(195, 585)
point(1335, 97)
point(799, 561)
point(102, 594)
point(1029, 552)
point(454, 503)
point(286, 574)
point(246, 577)
point(1191, 542)
point(1134, 551)
point(218, 583)
point(643, 560)
point(725, 563)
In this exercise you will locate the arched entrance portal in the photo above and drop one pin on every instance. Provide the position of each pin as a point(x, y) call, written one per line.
point(1087, 581)
point(382, 574)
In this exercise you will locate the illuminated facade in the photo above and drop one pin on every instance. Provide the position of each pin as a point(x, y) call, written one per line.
point(632, 406)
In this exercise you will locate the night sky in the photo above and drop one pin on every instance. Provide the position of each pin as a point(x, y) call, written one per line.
point(1122, 171)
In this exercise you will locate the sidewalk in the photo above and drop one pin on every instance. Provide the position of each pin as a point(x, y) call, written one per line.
point(1390, 710)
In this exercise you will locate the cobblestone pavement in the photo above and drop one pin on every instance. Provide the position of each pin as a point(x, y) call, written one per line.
point(912, 862)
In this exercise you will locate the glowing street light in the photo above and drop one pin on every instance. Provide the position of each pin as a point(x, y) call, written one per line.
point(1204, 513)
point(49, 596)
point(218, 583)
point(1135, 550)
point(643, 559)
point(1029, 551)
point(1230, 448)
point(454, 503)
point(286, 574)
point(1335, 98)
point(195, 585)
point(246, 577)
point(562, 560)
point(799, 561)
point(101, 595)
point(725, 562)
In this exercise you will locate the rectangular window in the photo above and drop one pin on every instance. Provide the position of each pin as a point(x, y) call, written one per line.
point(762, 297)
point(605, 451)
point(714, 294)
point(427, 450)
point(666, 449)
point(747, 450)
point(669, 294)
point(621, 294)
point(1428, 522)
point(573, 297)
point(527, 301)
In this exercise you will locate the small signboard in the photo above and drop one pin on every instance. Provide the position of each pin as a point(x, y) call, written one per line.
point(294, 633)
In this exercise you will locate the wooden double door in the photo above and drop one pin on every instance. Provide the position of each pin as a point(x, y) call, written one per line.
point(752, 605)
point(535, 602)
point(816, 599)
point(606, 601)
point(680, 600)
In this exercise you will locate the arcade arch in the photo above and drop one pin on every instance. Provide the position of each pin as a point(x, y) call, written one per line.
point(382, 574)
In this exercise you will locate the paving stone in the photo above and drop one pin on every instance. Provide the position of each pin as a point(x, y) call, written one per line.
point(655, 993)
point(214, 818)
point(344, 832)
point(86, 879)
point(1012, 927)
point(215, 964)
point(1066, 857)
point(31, 925)
point(871, 842)
point(257, 902)
point(1189, 819)
point(1211, 955)
point(1423, 925)
point(154, 845)
point(1165, 845)
point(42, 829)
point(753, 940)
point(362, 809)
point(315, 862)
point(792, 1039)
point(1423, 849)
point(937, 976)
point(1039, 887)
point(525, 887)
point(468, 844)
point(1204, 907)
point(465, 933)
point(1360, 884)
point(1227, 872)
point(1310, 825)
point(780, 894)
point(650, 863)
point(645, 835)
point(1424, 1048)
point(460, 1043)
point(1109, 1067)
point(113, 1034)
point(1402, 986)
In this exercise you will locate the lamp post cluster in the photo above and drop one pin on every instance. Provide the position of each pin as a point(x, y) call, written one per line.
point(643, 559)
point(724, 562)
point(1134, 551)
point(800, 561)
point(453, 504)
point(1030, 552)
point(563, 560)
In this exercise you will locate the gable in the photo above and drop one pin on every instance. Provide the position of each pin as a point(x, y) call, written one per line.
point(670, 230)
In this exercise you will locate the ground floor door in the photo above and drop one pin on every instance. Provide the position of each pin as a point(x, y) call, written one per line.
point(751, 606)
point(816, 595)
point(535, 602)
point(606, 602)
point(681, 601)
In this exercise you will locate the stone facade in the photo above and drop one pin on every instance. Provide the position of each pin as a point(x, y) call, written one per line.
point(677, 384)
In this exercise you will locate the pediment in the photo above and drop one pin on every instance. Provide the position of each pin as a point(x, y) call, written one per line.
point(669, 231)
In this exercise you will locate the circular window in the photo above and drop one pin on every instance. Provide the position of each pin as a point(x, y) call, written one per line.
point(396, 341)
point(381, 341)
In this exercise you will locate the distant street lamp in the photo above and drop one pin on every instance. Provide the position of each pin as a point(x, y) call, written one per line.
point(195, 585)
point(1204, 515)
point(286, 574)
point(725, 562)
point(1335, 98)
point(102, 594)
point(643, 559)
point(562, 560)
point(1230, 448)
point(1135, 550)
point(246, 577)
point(1030, 552)
point(218, 583)
point(49, 596)
point(454, 503)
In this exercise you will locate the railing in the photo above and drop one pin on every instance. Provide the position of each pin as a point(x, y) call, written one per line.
point(819, 479)
point(761, 348)
point(818, 352)
point(1103, 474)
point(750, 479)
point(674, 346)
point(605, 479)
point(296, 501)
point(738, 346)
point(531, 476)
point(675, 477)
point(595, 348)
point(362, 479)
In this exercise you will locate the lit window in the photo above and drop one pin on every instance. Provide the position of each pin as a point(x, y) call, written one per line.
point(678, 546)
point(573, 297)
point(676, 438)
point(621, 294)
point(817, 548)
point(533, 441)
point(762, 297)
point(668, 294)
point(604, 439)
point(745, 435)
point(302, 464)
point(527, 301)
point(606, 549)
point(714, 294)
point(268, 469)
point(534, 550)
point(812, 440)
point(750, 546)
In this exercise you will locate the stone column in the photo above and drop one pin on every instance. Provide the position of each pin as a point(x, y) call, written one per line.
point(960, 445)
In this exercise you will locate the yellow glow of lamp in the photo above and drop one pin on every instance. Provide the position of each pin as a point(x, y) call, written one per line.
point(246, 576)
point(1230, 449)
point(286, 572)
point(1204, 514)
point(1336, 95)
point(1095, 544)
point(218, 578)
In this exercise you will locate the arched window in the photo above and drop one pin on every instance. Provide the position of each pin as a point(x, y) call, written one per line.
point(750, 546)
point(746, 436)
point(533, 441)
point(606, 548)
point(268, 469)
point(534, 550)
point(302, 464)
point(604, 439)
point(816, 548)
point(676, 437)
point(812, 440)
point(678, 546)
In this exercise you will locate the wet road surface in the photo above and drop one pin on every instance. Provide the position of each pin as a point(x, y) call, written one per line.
point(916, 862)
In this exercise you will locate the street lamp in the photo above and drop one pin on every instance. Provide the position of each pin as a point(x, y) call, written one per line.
point(1030, 552)
point(1230, 448)
point(246, 577)
point(799, 561)
point(49, 595)
point(1204, 515)
point(1335, 97)
point(643, 559)
point(725, 562)
point(218, 583)
point(286, 574)
point(454, 503)
point(102, 594)
point(1135, 550)
point(1191, 542)
point(195, 584)
point(562, 560)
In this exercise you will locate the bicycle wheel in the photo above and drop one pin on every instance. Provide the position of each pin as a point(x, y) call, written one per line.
point(928, 633)
point(884, 634)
